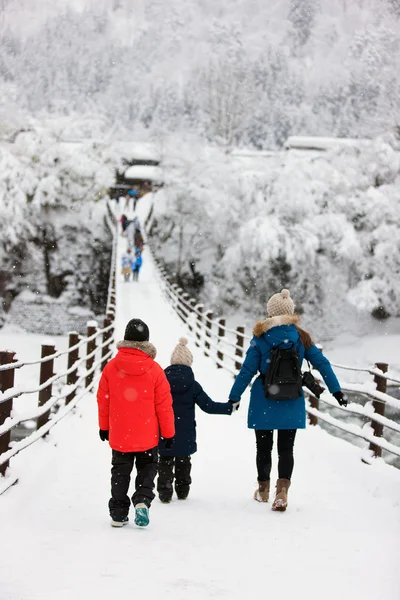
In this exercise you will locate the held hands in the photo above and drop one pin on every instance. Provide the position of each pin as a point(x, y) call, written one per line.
point(235, 405)
point(341, 398)
point(103, 433)
point(168, 443)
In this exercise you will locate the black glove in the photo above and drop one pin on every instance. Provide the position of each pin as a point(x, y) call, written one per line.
point(103, 433)
point(168, 443)
point(341, 398)
point(235, 404)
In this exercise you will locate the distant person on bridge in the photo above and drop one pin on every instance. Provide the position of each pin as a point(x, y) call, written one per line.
point(276, 352)
point(126, 266)
point(124, 222)
point(136, 264)
point(135, 195)
point(175, 463)
point(138, 239)
point(135, 407)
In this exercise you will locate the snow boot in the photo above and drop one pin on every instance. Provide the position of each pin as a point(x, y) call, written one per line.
point(121, 523)
point(182, 495)
point(141, 515)
point(164, 498)
point(262, 492)
point(182, 491)
point(280, 503)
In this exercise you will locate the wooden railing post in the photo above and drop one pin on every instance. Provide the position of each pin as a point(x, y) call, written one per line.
point(73, 356)
point(314, 403)
point(209, 317)
point(185, 309)
point(199, 308)
point(239, 346)
point(46, 372)
point(178, 307)
point(111, 316)
point(113, 300)
point(106, 347)
point(221, 333)
point(90, 347)
point(6, 382)
point(379, 407)
point(192, 303)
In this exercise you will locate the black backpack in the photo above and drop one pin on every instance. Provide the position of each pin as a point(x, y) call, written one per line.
point(283, 380)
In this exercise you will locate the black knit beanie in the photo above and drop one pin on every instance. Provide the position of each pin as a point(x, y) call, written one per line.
point(137, 331)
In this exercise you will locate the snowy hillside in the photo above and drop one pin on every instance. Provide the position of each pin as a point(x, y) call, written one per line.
point(53, 241)
point(236, 71)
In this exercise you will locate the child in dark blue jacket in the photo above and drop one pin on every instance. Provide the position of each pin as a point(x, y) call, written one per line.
point(186, 393)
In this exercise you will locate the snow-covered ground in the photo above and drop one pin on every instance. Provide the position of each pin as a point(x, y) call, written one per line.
point(339, 537)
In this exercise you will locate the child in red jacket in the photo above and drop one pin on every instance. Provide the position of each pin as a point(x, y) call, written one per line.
point(135, 404)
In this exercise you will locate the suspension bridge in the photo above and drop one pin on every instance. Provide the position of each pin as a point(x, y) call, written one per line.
point(340, 535)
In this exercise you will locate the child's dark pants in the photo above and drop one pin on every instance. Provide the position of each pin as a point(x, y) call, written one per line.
point(166, 476)
point(122, 465)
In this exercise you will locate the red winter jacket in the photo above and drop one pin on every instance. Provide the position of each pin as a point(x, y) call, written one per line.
point(134, 399)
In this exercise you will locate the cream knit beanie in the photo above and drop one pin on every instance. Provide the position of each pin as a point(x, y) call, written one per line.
point(182, 355)
point(280, 304)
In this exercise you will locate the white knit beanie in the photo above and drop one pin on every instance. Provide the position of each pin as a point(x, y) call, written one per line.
point(280, 304)
point(182, 355)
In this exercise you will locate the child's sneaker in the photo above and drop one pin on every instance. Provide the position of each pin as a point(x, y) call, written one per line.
point(141, 515)
point(120, 523)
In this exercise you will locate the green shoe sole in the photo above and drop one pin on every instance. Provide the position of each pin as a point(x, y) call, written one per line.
point(141, 517)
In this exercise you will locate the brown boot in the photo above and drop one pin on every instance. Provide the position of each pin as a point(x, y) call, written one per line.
point(262, 492)
point(281, 501)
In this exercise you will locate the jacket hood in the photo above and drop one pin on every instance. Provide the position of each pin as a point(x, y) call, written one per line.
point(135, 358)
point(180, 378)
point(262, 327)
point(278, 330)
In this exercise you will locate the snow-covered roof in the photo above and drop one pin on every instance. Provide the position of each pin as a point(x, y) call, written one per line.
point(145, 173)
point(137, 150)
point(321, 143)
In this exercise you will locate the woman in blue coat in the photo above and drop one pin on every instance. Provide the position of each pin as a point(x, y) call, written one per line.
point(186, 394)
point(279, 329)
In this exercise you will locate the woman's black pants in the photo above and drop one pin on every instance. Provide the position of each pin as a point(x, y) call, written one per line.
point(265, 442)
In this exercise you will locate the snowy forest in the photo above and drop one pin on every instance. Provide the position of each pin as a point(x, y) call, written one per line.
point(235, 72)
point(202, 81)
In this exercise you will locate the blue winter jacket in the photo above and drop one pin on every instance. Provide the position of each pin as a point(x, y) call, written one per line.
point(277, 414)
point(137, 263)
point(186, 393)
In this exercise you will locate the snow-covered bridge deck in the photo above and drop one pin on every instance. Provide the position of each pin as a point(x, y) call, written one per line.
point(338, 539)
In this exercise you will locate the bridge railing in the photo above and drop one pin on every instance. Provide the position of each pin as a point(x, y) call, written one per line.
point(57, 393)
point(225, 346)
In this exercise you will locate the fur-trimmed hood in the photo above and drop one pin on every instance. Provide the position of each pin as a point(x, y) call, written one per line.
point(146, 347)
point(262, 327)
point(135, 358)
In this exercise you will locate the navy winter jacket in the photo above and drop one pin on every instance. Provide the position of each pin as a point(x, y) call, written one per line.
point(186, 393)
